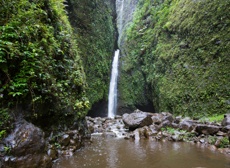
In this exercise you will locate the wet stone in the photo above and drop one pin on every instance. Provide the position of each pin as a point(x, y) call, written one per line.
point(226, 120)
point(137, 120)
point(186, 125)
point(64, 140)
point(109, 134)
point(207, 129)
point(52, 153)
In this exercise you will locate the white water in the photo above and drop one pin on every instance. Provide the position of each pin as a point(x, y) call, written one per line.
point(121, 17)
point(120, 5)
point(112, 105)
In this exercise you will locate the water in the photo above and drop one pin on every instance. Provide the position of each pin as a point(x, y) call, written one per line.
point(120, 18)
point(112, 105)
point(120, 8)
point(120, 153)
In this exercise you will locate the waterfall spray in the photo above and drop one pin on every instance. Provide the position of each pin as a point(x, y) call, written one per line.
point(120, 18)
point(112, 105)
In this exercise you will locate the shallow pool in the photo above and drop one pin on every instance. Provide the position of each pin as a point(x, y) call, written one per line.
point(121, 153)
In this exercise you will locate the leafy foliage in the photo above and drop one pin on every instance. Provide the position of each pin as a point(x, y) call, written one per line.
point(224, 142)
point(40, 68)
point(2, 134)
point(180, 49)
point(213, 118)
point(94, 23)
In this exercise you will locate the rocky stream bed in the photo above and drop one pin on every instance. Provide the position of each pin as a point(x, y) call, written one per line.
point(164, 126)
point(28, 147)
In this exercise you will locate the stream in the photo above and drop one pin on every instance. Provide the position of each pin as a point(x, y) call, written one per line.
point(120, 153)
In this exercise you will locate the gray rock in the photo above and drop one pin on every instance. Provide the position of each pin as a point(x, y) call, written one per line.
point(202, 141)
point(207, 129)
point(144, 132)
point(157, 118)
point(154, 129)
point(220, 133)
point(28, 161)
point(118, 117)
point(64, 140)
point(109, 134)
point(186, 125)
point(226, 120)
point(166, 123)
point(168, 117)
point(137, 120)
point(177, 137)
point(177, 119)
point(52, 153)
point(174, 125)
point(226, 128)
point(27, 147)
point(25, 139)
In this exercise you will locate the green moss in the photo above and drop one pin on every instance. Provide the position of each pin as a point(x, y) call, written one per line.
point(216, 118)
point(224, 142)
point(41, 70)
point(5, 122)
point(94, 24)
point(182, 52)
point(212, 140)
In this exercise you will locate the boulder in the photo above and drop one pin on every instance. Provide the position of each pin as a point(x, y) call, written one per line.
point(64, 140)
point(226, 128)
point(226, 120)
point(154, 129)
point(26, 145)
point(25, 139)
point(157, 118)
point(137, 120)
point(186, 125)
point(175, 125)
point(177, 136)
point(167, 116)
point(144, 132)
point(177, 119)
point(165, 124)
point(52, 153)
point(207, 129)
point(28, 161)
point(109, 134)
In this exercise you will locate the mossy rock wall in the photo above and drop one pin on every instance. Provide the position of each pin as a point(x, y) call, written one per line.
point(95, 25)
point(41, 72)
point(177, 55)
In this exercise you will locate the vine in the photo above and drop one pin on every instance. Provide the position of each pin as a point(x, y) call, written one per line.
point(39, 59)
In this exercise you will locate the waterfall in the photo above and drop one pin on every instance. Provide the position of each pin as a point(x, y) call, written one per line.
point(112, 105)
point(120, 8)
point(120, 20)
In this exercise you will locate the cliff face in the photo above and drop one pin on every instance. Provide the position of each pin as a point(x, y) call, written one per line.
point(42, 81)
point(42, 76)
point(176, 54)
point(174, 57)
point(94, 24)
point(125, 10)
point(47, 67)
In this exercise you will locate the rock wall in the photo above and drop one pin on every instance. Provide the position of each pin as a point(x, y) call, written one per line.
point(25, 147)
point(41, 72)
point(43, 85)
point(94, 24)
point(125, 10)
point(176, 56)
